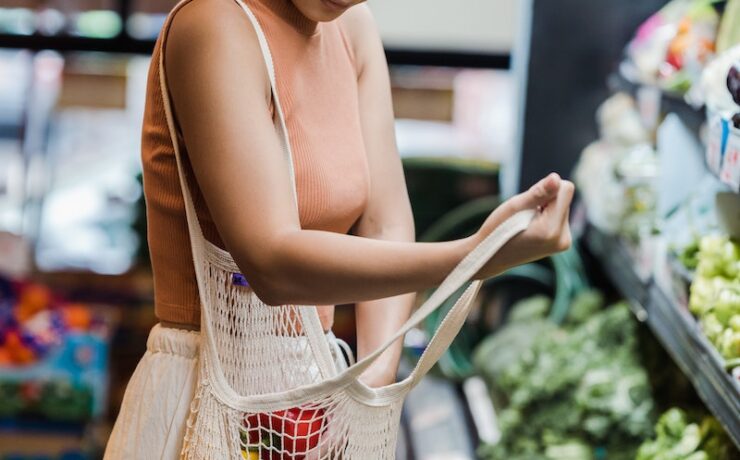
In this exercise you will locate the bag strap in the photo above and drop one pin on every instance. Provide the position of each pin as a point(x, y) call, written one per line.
point(460, 275)
point(446, 333)
point(309, 316)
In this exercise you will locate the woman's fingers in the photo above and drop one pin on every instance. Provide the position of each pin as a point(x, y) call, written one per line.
point(540, 194)
point(561, 214)
point(563, 202)
point(552, 223)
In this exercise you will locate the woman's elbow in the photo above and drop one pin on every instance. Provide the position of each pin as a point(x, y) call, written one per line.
point(270, 297)
point(269, 289)
point(270, 286)
point(271, 275)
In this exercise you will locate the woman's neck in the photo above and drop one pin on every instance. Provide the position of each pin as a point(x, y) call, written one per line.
point(292, 15)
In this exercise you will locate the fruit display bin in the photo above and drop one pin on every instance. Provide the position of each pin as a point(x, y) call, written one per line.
point(69, 384)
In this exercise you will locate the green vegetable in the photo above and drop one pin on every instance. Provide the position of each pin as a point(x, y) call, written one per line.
point(718, 256)
point(689, 255)
point(567, 390)
point(671, 424)
point(499, 352)
point(535, 307)
point(715, 293)
point(680, 437)
point(573, 450)
point(585, 305)
point(735, 322)
point(729, 29)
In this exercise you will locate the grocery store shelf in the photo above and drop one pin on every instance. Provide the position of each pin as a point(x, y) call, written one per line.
point(618, 264)
point(675, 328)
point(652, 100)
point(669, 102)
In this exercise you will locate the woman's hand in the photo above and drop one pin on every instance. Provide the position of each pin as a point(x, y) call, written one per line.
point(548, 233)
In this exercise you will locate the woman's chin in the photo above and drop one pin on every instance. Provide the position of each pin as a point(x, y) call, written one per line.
point(323, 10)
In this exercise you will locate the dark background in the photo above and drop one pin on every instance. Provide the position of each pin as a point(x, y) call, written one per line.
point(575, 45)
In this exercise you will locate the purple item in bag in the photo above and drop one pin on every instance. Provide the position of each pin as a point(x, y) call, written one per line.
point(238, 279)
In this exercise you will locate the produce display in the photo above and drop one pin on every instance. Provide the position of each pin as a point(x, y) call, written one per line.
point(719, 91)
point(33, 322)
point(575, 391)
point(715, 293)
point(53, 355)
point(679, 436)
point(616, 173)
point(661, 192)
point(672, 46)
point(719, 88)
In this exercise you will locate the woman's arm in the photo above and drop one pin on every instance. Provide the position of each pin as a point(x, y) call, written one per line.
point(221, 95)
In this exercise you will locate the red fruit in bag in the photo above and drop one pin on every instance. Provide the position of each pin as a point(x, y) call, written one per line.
point(299, 430)
point(252, 430)
point(269, 454)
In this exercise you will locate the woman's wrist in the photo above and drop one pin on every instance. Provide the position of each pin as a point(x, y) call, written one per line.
point(381, 373)
point(456, 251)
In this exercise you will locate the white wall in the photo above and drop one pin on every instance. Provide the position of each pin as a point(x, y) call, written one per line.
point(467, 25)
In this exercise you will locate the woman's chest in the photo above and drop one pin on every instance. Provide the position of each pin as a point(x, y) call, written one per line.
point(319, 95)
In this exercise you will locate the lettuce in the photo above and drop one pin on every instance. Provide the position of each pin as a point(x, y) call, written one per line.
point(715, 293)
point(680, 437)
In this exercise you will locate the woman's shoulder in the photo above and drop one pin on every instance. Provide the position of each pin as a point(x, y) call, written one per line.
point(359, 27)
point(199, 23)
point(358, 21)
point(214, 35)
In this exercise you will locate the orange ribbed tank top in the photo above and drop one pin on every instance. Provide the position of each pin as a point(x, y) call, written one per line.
point(317, 83)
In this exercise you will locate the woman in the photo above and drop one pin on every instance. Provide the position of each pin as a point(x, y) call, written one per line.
point(351, 238)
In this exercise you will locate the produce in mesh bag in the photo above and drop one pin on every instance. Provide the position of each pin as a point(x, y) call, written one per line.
point(681, 437)
point(573, 392)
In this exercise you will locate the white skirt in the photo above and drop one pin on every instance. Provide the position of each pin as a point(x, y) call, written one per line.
point(155, 408)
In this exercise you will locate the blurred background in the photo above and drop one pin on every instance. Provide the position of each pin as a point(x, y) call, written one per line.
point(626, 346)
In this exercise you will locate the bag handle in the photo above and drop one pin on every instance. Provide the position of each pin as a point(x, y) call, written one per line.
point(461, 274)
point(309, 316)
point(446, 332)
point(452, 322)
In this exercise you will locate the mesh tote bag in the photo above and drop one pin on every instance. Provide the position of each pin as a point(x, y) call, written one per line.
point(269, 386)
